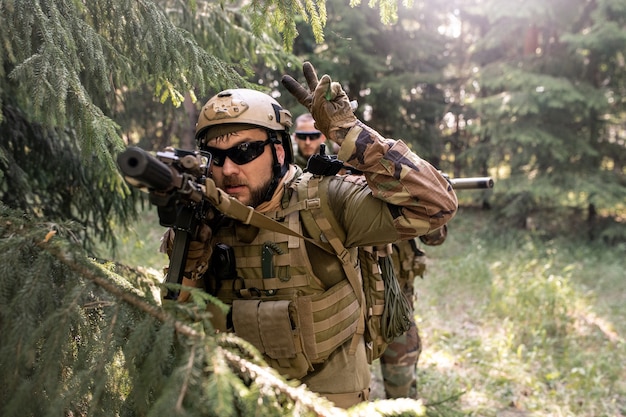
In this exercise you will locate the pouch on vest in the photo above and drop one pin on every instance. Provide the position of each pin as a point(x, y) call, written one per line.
point(292, 335)
point(272, 327)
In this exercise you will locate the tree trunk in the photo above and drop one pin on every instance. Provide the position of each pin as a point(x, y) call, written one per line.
point(188, 132)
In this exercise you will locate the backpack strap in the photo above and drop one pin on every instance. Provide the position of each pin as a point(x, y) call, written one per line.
point(320, 221)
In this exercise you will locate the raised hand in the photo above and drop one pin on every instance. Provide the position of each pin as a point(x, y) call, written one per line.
point(326, 101)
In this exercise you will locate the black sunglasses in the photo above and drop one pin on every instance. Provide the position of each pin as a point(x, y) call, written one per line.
point(312, 136)
point(241, 154)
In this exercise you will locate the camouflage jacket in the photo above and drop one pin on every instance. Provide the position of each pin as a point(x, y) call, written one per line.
point(402, 197)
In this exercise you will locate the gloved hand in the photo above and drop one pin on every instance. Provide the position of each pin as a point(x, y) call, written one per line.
point(198, 255)
point(328, 103)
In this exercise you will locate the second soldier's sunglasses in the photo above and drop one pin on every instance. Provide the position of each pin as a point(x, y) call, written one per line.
point(311, 135)
point(240, 154)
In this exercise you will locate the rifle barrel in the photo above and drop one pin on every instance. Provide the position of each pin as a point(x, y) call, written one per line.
point(471, 183)
point(140, 168)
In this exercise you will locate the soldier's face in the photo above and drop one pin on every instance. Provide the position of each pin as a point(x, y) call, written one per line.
point(247, 181)
point(309, 141)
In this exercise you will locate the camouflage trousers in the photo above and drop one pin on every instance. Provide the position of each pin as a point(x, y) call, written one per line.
point(399, 361)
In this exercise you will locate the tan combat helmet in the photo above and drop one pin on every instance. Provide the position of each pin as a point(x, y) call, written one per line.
point(241, 108)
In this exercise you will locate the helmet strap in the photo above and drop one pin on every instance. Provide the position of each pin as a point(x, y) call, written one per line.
point(278, 169)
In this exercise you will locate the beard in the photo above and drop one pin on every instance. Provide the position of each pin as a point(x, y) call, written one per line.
point(259, 194)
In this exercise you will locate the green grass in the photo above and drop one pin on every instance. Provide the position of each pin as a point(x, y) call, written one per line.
point(517, 324)
point(138, 246)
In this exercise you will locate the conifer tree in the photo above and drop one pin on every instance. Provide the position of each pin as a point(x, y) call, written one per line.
point(546, 108)
point(80, 339)
point(66, 69)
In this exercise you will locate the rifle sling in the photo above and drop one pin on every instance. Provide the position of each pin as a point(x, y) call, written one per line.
point(233, 208)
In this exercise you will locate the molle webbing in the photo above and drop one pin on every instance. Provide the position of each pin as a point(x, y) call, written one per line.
point(374, 289)
point(328, 320)
point(291, 266)
point(315, 324)
point(317, 221)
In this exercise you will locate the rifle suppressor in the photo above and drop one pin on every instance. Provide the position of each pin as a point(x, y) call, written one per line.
point(141, 169)
point(471, 183)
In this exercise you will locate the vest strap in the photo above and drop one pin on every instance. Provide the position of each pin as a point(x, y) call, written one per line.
point(319, 217)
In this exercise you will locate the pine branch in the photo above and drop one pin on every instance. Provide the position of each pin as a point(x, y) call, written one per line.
point(268, 380)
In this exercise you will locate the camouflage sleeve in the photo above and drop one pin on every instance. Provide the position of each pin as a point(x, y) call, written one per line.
point(418, 197)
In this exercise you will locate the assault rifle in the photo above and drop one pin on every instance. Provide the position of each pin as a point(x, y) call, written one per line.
point(175, 181)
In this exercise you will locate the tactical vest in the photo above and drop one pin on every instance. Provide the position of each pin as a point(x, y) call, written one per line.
point(281, 306)
point(278, 304)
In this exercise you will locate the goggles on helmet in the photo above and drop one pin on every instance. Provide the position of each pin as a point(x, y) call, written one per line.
point(240, 154)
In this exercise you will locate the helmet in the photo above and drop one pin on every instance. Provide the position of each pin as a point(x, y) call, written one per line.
point(238, 109)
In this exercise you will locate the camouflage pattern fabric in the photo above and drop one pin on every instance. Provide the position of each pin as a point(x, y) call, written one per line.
point(402, 179)
point(398, 364)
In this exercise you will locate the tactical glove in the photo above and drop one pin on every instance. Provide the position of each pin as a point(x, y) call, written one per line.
point(328, 103)
point(198, 253)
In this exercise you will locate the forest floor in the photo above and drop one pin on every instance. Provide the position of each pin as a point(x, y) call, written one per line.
point(519, 323)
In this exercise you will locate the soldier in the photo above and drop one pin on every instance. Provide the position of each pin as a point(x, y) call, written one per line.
point(307, 140)
point(399, 360)
point(295, 299)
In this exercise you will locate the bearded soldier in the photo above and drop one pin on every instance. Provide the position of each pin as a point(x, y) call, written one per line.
point(290, 279)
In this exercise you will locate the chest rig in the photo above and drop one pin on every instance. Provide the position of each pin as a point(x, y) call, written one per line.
point(278, 303)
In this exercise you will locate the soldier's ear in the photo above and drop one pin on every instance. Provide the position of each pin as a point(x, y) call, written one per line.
point(280, 153)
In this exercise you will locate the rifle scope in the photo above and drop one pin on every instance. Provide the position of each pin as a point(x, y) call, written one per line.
point(141, 169)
